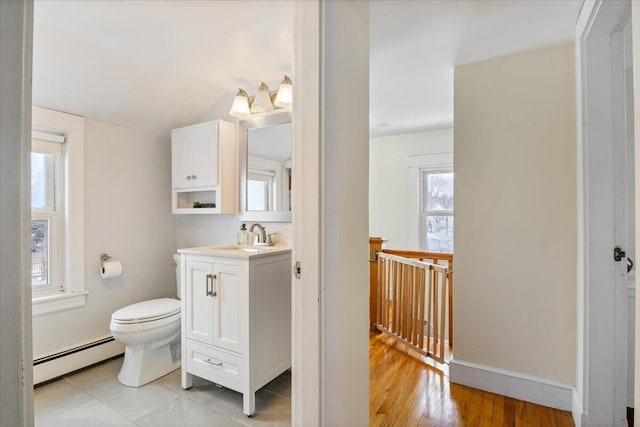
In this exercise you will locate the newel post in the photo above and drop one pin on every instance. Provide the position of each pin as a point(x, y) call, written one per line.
point(375, 247)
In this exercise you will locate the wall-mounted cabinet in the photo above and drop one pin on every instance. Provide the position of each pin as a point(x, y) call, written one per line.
point(204, 168)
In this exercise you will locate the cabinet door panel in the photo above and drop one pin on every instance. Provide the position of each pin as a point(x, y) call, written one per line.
point(205, 155)
point(229, 307)
point(181, 163)
point(199, 315)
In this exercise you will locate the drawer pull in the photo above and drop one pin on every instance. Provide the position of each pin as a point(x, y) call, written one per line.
point(211, 362)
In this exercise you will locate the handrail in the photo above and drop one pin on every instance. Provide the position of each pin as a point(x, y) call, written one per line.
point(376, 247)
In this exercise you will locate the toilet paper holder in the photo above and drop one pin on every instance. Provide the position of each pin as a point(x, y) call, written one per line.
point(109, 268)
point(103, 258)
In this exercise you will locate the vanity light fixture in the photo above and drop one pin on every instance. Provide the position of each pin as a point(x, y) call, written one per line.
point(284, 98)
point(264, 101)
point(240, 107)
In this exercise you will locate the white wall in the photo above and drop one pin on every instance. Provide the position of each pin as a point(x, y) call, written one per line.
point(128, 216)
point(515, 215)
point(393, 186)
point(344, 152)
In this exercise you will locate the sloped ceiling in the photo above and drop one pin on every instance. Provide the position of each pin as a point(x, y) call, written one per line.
point(156, 65)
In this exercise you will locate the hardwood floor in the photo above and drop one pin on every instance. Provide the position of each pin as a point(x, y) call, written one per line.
point(406, 392)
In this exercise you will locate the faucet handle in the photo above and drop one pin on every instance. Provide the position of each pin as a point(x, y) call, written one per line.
point(269, 241)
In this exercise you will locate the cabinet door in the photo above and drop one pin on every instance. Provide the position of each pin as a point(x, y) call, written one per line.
point(181, 158)
point(199, 304)
point(205, 155)
point(230, 312)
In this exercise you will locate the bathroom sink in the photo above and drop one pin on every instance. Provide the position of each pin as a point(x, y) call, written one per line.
point(250, 250)
point(235, 251)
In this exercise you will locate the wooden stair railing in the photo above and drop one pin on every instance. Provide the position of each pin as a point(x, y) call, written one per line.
point(407, 292)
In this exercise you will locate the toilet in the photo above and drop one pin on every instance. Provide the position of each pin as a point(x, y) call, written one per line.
point(150, 331)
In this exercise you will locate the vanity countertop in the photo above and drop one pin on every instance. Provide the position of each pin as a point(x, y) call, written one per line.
point(235, 251)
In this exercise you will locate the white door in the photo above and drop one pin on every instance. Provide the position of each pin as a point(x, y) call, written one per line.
point(606, 212)
point(305, 363)
point(624, 215)
point(199, 303)
point(229, 306)
point(204, 142)
point(181, 169)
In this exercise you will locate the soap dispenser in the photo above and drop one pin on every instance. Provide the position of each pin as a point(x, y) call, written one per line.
point(243, 236)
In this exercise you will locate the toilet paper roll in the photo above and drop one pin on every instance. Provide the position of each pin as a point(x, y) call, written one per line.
point(110, 269)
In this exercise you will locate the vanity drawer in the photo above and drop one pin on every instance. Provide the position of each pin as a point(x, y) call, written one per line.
point(216, 365)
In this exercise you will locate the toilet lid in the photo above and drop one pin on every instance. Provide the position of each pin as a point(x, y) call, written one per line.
point(147, 310)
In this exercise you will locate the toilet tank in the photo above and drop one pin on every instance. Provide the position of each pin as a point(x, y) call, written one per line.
point(176, 263)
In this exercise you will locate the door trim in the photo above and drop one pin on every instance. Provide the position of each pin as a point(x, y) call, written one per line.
point(306, 197)
point(597, 374)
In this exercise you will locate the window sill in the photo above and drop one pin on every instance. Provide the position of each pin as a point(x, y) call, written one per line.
point(57, 302)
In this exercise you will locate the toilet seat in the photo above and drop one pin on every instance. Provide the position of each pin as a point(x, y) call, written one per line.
point(146, 311)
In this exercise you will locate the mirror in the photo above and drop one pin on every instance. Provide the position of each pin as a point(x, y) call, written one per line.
point(265, 143)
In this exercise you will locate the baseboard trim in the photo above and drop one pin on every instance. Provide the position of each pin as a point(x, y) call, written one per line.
point(512, 384)
point(579, 418)
point(71, 359)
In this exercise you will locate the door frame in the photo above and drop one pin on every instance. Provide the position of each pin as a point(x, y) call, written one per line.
point(601, 380)
point(307, 387)
point(306, 196)
point(16, 50)
point(635, 37)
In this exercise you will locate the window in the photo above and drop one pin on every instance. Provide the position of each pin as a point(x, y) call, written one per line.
point(47, 216)
point(260, 192)
point(57, 210)
point(437, 210)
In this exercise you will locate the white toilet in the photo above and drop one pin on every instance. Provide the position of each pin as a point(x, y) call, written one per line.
point(151, 332)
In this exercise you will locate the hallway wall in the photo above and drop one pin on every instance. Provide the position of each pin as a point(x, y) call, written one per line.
point(516, 210)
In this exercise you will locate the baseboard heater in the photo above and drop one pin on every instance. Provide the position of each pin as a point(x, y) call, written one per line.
point(71, 359)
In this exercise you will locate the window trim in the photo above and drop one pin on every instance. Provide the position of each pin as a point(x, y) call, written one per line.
point(53, 146)
point(426, 212)
point(434, 162)
point(73, 293)
point(56, 256)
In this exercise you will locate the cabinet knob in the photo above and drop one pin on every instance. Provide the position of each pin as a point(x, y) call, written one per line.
point(193, 177)
point(188, 177)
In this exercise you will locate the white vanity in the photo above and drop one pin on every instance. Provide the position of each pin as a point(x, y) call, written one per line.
point(236, 316)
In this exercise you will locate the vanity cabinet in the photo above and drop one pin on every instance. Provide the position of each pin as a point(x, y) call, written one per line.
point(236, 318)
point(214, 298)
point(204, 167)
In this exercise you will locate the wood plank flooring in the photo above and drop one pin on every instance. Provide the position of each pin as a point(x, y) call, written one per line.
point(406, 392)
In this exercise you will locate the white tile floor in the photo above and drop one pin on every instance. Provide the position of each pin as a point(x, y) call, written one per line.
point(94, 397)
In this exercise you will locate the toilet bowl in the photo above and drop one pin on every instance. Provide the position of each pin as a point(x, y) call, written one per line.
point(150, 331)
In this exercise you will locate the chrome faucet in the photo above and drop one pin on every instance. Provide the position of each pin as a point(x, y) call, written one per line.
point(262, 235)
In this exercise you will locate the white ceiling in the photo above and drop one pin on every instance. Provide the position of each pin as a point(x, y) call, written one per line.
point(156, 65)
point(416, 44)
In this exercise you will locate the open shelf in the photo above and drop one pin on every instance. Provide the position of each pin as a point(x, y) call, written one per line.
point(183, 200)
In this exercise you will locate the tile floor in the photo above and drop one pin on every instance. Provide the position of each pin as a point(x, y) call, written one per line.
point(94, 397)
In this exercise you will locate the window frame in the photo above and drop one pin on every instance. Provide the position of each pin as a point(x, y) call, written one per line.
point(267, 177)
point(70, 226)
point(424, 212)
point(55, 247)
point(438, 161)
